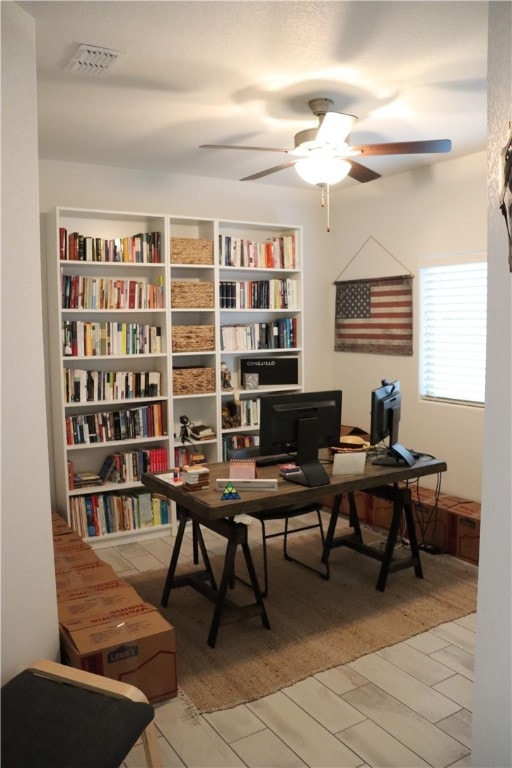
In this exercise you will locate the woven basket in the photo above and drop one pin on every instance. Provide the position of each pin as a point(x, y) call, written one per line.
point(187, 294)
point(187, 250)
point(193, 381)
point(195, 338)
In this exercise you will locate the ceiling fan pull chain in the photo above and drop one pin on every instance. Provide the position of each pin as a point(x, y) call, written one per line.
point(324, 202)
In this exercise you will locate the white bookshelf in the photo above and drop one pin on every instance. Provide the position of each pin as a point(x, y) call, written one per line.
point(102, 361)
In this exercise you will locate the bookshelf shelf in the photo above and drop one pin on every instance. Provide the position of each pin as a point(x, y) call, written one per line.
point(92, 342)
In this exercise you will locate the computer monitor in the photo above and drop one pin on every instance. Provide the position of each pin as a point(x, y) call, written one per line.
point(300, 423)
point(386, 406)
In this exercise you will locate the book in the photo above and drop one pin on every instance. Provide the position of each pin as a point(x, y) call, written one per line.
point(201, 431)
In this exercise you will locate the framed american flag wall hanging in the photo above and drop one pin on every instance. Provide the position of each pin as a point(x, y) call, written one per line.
point(374, 315)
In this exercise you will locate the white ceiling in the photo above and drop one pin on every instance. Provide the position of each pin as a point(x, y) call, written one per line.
point(242, 72)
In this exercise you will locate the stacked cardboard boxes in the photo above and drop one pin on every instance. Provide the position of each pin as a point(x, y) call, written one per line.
point(448, 523)
point(104, 625)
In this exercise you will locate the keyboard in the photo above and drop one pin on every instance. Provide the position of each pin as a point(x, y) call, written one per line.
point(270, 461)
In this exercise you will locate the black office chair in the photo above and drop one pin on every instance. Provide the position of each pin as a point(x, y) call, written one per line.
point(55, 716)
point(285, 513)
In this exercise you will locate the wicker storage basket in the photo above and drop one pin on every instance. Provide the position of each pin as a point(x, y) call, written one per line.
point(187, 294)
point(186, 338)
point(193, 381)
point(188, 250)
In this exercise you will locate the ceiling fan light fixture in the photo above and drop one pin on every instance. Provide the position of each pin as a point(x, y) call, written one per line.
point(321, 167)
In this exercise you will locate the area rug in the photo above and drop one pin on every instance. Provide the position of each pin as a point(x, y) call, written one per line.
point(315, 624)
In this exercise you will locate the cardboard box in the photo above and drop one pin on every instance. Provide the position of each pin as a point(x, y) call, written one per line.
point(105, 605)
point(140, 650)
point(81, 591)
point(71, 543)
point(463, 538)
point(431, 524)
point(60, 526)
point(84, 576)
point(73, 558)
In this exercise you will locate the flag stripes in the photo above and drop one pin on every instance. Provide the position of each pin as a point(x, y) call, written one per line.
point(374, 316)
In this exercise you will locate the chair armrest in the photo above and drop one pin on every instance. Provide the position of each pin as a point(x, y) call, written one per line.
point(82, 679)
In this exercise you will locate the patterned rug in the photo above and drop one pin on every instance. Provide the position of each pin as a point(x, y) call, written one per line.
point(315, 624)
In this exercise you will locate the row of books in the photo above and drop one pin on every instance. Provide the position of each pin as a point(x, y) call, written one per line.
point(84, 386)
point(236, 442)
point(88, 292)
point(278, 334)
point(129, 424)
point(187, 456)
point(93, 339)
point(120, 467)
point(102, 513)
point(274, 253)
point(258, 294)
point(143, 248)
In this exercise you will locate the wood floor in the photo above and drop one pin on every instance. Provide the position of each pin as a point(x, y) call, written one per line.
point(404, 706)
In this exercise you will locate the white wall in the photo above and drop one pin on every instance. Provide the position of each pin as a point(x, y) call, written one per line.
point(29, 608)
point(441, 209)
point(492, 709)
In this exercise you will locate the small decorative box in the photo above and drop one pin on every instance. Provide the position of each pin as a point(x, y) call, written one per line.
point(251, 380)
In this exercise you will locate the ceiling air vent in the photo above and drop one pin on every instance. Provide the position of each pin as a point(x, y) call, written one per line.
point(92, 60)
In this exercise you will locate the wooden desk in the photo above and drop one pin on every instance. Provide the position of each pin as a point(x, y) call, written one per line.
point(205, 508)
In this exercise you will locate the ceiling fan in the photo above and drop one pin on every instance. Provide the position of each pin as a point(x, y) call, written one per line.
point(323, 156)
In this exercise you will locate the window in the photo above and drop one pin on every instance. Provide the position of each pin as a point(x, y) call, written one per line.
point(453, 319)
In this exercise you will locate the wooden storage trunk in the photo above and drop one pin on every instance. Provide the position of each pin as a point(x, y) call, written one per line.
point(193, 381)
point(188, 294)
point(188, 250)
point(193, 338)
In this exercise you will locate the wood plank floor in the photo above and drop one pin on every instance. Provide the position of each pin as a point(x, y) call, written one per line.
point(404, 706)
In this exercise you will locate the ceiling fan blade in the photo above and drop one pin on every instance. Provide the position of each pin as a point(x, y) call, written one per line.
point(235, 146)
point(404, 147)
point(334, 128)
point(268, 171)
point(361, 172)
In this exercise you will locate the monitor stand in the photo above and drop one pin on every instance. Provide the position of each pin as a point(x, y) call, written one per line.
point(312, 472)
point(397, 456)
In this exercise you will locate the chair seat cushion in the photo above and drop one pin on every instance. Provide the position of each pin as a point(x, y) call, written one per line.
point(282, 512)
point(48, 724)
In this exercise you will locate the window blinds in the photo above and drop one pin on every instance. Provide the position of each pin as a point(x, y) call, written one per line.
point(453, 319)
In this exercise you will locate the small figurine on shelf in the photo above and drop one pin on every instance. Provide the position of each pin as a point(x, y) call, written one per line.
point(185, 424)
point(225, 376)
point(230, 415)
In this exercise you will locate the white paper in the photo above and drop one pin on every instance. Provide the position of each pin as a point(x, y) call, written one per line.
point(350, 463)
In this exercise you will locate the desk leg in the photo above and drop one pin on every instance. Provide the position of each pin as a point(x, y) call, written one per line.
point(329, 539)
point(174, 558)
point(198, 543)
point(354, 517)
point(196, 536)
point(401, 502)
point(238, 535)
point(411, 532)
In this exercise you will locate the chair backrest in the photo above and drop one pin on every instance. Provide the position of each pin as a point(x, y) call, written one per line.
point(49, 712)
point(244, 453)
